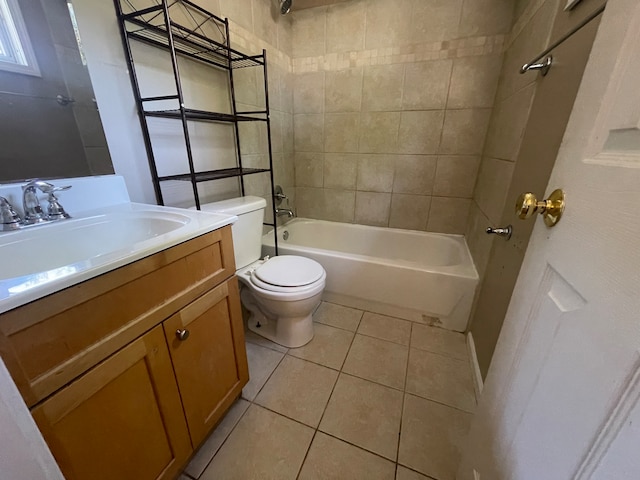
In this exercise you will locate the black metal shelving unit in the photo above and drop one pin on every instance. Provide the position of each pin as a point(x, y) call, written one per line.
point(205, 39)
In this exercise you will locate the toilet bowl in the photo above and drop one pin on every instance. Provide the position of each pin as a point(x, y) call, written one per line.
point(280, 293)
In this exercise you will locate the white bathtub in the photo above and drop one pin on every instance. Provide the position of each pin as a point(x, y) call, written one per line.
point(423, 277)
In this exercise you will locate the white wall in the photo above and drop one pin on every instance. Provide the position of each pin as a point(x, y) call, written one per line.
point(112, 87)
point(23, 452)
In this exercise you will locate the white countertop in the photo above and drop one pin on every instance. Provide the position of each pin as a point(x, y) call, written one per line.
point(40, 260)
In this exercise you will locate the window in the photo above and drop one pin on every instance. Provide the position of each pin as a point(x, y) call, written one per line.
point(16, 53)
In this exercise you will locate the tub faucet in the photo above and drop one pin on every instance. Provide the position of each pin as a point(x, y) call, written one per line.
point(33, 212)
point(284, 211)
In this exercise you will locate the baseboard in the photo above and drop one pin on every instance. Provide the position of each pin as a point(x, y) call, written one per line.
point(475, 367)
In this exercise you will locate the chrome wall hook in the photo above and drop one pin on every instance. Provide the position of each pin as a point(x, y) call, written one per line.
point(543, 66)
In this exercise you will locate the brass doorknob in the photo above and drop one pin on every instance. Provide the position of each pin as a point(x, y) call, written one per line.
point(551, 209)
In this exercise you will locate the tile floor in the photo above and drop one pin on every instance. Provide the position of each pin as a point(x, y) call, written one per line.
point(370, 397)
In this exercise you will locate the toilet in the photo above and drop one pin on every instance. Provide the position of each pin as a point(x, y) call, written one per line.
point(281, 292)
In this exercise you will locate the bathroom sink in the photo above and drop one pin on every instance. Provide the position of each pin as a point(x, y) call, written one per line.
point(39, 260)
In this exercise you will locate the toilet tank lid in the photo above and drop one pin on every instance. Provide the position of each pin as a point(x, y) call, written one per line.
point(235, 206)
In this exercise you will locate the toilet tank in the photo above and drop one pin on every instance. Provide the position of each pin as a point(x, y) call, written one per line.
point(247, 231)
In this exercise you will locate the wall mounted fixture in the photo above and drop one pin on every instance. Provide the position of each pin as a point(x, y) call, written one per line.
point(543, 66)
point(504, 232)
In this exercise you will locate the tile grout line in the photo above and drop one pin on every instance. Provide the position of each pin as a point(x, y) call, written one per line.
point(404, 395)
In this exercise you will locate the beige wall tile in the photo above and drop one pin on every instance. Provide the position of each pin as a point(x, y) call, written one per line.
point(308, 32)
point(379, 132)
point(388, 23)
point(426, 85)
point(490, 193)
point(345, 26)
point(448, 214)
point(308, 132)
point(414, 174)
point(238, 11)
point(326, 204)
point(308, 92)
point(382, 88)
point(309, 169)
point(375, 173)
point(245, 84)
point(285, 35)
point(464, 131)
point(420, 132)
point(474, 81)
point(341, 132)
point(456, 176)
point(477, 239)
point(409, 211)
point(434, 20)
point(340, 170)
point(343, 90)
point(530, 42)
point(277, 145)
point(485, 17)
point(404, 473)
point(372, 208)
point(265, 16)
point(508, 123)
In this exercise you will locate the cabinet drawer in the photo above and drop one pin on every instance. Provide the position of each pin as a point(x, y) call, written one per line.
point(211, 362)
point(47, 343)
point(120, 420)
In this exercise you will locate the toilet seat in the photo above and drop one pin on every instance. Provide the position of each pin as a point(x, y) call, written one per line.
point(312, 278)
point(287, 271)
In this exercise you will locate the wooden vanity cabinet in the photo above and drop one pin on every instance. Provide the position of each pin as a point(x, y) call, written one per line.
point(210, 363)
point(122, 419)
point(128, 372)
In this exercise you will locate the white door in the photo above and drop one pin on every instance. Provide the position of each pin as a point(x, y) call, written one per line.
point(561, 400)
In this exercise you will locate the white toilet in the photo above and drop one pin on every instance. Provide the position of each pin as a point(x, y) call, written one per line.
point(281, 292)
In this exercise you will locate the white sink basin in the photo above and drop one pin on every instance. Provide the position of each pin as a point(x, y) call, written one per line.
point(40, 260)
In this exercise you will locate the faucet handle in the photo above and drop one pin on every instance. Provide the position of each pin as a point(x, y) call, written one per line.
point(10, 218)
point(55, 211)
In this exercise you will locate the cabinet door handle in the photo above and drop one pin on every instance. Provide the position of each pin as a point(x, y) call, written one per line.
point(182, 335)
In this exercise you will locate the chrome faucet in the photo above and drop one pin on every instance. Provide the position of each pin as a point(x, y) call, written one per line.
point(284, 211)
point(10, 218)
point(33, 212)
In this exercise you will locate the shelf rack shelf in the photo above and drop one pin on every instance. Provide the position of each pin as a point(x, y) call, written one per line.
point(184, 29)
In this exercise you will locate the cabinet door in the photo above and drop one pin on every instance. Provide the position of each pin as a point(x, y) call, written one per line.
point(211, 362)
point(122, 419)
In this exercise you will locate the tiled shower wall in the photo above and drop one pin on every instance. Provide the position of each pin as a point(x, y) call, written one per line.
point(392, 101)
point(530, 33)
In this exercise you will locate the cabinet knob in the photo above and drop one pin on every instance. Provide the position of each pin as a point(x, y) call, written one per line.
point(182, 335)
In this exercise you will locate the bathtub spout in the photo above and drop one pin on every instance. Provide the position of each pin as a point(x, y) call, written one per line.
point(284, 211)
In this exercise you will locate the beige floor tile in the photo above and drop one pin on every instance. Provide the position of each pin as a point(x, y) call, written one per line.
point(263, 342)
point(403, 473)
point(338, 316)
point(365, 414)
point(330, 458)
point(299, 390)
point(443, 379)
point(329, 346)
point(439, 340)
point(377, 360)
point(386, 328)
point(264, 445)
point(262, 362)
point(431, 437)
point(206, 452)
